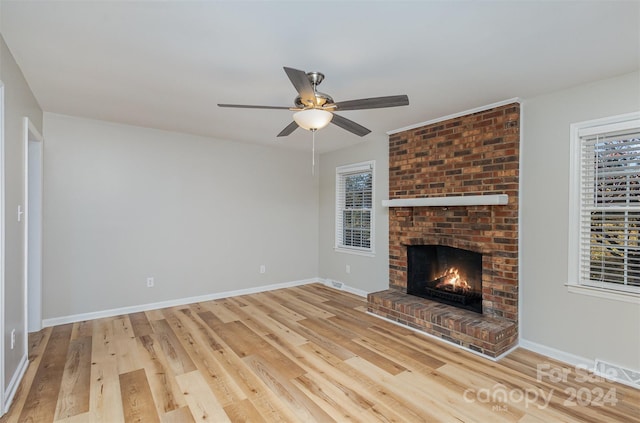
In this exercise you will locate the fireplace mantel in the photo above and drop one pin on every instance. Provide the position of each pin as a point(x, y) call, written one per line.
point(459, 200)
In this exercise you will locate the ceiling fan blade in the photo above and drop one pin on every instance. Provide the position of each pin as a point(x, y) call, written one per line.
point(349, 125)
point(301, 83)
point(373, 103)
point(247, 106)
point(288, 130)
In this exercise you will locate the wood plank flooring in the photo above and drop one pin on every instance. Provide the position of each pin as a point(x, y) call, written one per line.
point(303, 354)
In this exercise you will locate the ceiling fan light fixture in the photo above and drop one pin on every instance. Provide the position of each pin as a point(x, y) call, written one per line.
point(312, 119)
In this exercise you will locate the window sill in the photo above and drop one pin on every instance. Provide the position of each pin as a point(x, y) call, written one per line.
point(610, 294)
point(355, 252)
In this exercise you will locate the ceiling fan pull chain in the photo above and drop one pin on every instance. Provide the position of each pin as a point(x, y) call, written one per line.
point(313, 152)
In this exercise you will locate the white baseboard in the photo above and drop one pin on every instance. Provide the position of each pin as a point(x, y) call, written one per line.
point(172, 303)
point(612, 372)
point(12, 387)
point(565, 357)
point(331, 283)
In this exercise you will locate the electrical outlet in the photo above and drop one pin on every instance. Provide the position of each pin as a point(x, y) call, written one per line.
point(347, 269)
point(263, 268)
point(13, 338)
point(150, 282)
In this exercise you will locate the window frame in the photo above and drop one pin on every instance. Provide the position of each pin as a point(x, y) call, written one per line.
point(626, 293)
point(341, 173)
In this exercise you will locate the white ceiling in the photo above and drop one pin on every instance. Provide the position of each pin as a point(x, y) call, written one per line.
point(167, 64)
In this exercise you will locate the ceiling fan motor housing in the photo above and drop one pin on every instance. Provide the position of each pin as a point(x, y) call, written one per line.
point(322, 99)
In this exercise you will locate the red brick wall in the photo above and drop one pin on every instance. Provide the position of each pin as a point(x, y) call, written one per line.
point(475, 154)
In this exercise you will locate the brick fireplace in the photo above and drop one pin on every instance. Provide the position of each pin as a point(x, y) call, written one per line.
point(470, 155)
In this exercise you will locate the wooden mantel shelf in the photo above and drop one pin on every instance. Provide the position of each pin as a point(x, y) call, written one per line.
point(459, 200)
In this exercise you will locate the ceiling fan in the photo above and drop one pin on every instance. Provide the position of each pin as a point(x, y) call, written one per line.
point(315, 110)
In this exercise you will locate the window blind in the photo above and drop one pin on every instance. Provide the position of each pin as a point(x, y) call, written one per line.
point(354, 207)
point(610, 205)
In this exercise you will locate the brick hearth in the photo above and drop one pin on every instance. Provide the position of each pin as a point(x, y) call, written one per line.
point(474, 154)
point(486, 335)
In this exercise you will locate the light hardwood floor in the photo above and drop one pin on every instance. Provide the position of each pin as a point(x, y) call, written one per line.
point(300, 354)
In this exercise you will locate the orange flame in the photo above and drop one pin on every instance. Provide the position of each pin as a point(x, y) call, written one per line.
point(452, 281)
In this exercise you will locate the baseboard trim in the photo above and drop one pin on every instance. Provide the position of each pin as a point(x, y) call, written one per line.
point(332, 283)
point(581, 362)
point(565, 357)
point(14, 383)
point(172, 303)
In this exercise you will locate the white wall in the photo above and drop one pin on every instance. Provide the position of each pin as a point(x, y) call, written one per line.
point(368, 274)
point(19, 102)
point(200, 215)
point(587, 327)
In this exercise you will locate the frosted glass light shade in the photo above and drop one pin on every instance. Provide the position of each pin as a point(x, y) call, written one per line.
point(311, 119)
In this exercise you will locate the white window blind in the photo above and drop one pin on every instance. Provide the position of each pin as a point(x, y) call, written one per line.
point(354, 207)
point(609, 221)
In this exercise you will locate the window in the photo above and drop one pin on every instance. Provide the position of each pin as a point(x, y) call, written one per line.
point(605, 205)
point(354, 208)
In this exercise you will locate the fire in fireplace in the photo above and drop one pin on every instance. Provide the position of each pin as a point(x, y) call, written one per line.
point(445, 274)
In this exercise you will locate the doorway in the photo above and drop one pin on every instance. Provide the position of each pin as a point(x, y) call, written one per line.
point(33, 149)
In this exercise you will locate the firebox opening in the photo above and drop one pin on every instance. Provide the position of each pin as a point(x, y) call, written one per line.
point(445, 274)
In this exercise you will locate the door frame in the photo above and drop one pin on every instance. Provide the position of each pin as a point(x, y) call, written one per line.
point(3, 403)
point(33, 172)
